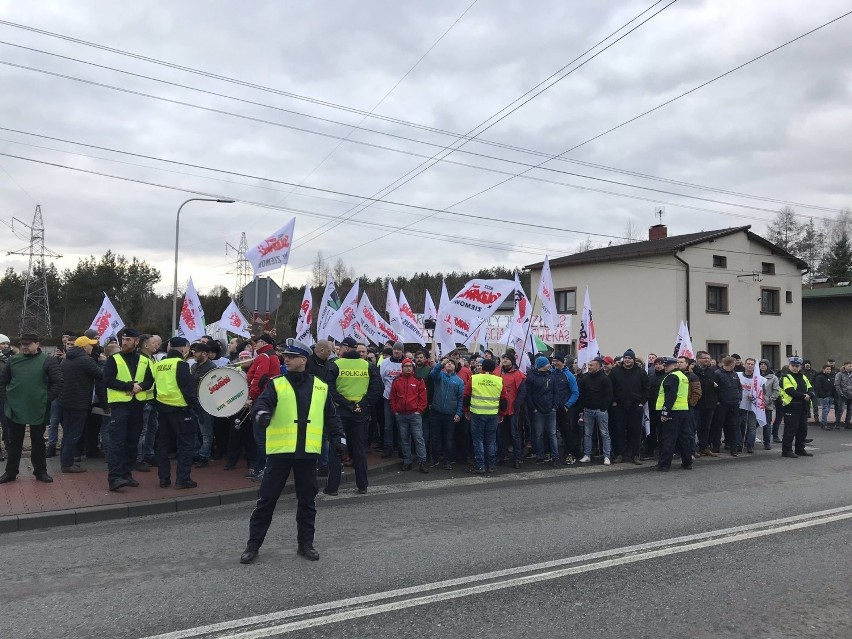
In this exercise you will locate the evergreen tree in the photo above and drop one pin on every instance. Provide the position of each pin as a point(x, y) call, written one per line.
point(837, 262)
point(811, 249)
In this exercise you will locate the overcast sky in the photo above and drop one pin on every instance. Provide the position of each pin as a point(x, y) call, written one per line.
point(779, 128)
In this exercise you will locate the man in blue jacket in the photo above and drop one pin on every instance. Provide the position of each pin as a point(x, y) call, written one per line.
point(542, 402)
point(446, 410)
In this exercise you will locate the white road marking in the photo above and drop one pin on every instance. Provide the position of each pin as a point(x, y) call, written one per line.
point(257, 627)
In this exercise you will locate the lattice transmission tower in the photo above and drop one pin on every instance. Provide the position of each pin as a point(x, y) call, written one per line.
point(242, 270)
point(35, 312)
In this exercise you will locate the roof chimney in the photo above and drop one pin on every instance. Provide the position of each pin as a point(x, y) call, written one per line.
point(658, 232)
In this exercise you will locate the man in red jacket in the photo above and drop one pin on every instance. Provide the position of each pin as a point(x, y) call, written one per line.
point(408, 401)
point(265, 366)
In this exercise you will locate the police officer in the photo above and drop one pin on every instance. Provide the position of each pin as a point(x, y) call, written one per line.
point(177, 407)
point(127, 376)
point(675, 421)
point(295, 410)
point(355, 385)
point(796, 396)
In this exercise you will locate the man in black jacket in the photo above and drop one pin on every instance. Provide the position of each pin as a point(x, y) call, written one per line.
point(318, 367)
point(79, 372)
point(629, 393)
point(727, 417)
point(306, 398)
point(595, 400)
point(706, 407)
point(655, 381)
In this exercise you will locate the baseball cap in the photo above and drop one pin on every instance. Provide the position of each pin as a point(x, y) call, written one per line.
point(84, 341)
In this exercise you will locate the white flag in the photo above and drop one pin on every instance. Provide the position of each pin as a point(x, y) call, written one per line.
point(445, 298)
point(303, 324)
point(410, 328)
point(191, 322)
point(758, 404)
point(234, 322)
point(328, 308)
point(107, 322)
point(683, 348)
point(274, 251)
point(444, 332)
point(518, 334)
point(344, 319)
point(547, 297)
point(587, 340)
point(392, 307)
point(462, 316)
point(374, 327)
point(429, 310)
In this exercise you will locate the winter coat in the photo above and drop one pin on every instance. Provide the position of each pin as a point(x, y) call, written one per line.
point(824, 385)
point(449, 390)
point(408, 395)
point(729, 389)
point(843, 384)
point(695, 391)
point(79, 374)
point(265, 366)
point(595, 391)
point(389, 370)
point(629, 386)
point(770, 389)
point(709, 396)
point(515, 390)
point(541, 391)
point(573, 389)
point(29, 402)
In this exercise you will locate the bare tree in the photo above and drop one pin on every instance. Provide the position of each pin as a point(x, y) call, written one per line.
point(319, 271)
point(585, 245)
point(631, 232)
point(341, 272)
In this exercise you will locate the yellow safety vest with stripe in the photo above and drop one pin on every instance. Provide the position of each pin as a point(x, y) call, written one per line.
point(485, 391)
point(353, 378)
point(788, 382)
point(165, 378)
point(283, 430)
point(122, 374)
point(681, 402)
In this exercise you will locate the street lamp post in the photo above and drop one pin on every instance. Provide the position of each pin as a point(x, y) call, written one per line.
point(177, 237)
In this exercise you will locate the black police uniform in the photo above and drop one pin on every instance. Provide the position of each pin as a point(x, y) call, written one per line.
point(301, 463)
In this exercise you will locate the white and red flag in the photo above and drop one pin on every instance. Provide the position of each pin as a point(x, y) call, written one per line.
point(547, 297)
point(392, 308)
point(328, 308)
point(410, 328)
point(343, 324)
point(191, 322)
point(274, 251)
point(429, 310)
point(303, 324)
point(107, 322)
point(234, 322)
point(587, 340)
point(683, 347)
point(374, 327)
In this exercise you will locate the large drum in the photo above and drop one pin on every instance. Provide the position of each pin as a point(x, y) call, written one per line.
point(223, 392)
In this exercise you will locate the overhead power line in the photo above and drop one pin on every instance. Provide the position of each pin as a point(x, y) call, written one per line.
point(352, 127)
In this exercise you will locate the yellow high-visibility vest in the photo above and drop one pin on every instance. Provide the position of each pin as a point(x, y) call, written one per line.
point(788, 382)
point(165, 377)
point(354, 378)
point(681, 402)
point(122, 374)
point(485, 391)
point(283, 430)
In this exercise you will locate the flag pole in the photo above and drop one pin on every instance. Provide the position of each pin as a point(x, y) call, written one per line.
point(278, 310)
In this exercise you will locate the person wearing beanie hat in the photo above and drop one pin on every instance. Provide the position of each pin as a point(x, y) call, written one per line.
point(515, 389)
point(127, 376)
point(484, 397)
point(408, 402)
point(567, 393)
point(389, 370)
point(542, 403)
point(541, 362)
point(629, 394)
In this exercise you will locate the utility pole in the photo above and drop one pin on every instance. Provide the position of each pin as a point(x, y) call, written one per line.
point(242, 269)
point(35, 313)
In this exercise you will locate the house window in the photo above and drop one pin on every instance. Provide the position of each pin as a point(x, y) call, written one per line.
point(789, 297)
point(720, 261)
point(789, 350)
point(717, 350)
point(566, 301)
point(717, 299)
point(767, 268)
point(769, 301)
point(771, 352)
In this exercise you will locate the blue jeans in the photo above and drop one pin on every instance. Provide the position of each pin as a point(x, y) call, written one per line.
point(483, 430)
point(748, 427)
point(592, 417)
point(148, 439)
point(443, 433)
point(825, 404)
point(205, 424)
point(73, 424)
point(544, 425)
point(55, 418)
point(390, 422)
point(411, 425)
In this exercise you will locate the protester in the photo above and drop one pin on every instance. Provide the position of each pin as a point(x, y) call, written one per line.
point(726, 419)
point(629, 394)
point(79, 374)
point(263, 368)
point(595, 399)
point(705, 409)
point(770, 394)
point(203, 365)
point(149, 345)
point(843, 387)
point(485, 399)
point(446, 411)
point(408, 403)
point(825, 393)
point(389, 369)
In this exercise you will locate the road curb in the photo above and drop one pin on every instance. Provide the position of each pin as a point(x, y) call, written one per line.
point(92, 514)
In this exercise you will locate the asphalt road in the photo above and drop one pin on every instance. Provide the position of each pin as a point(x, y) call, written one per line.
point(599, 554)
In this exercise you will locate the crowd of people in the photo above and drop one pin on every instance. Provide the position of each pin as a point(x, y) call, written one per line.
point(133, 402)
